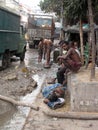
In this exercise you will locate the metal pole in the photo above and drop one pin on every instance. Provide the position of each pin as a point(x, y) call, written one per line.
point(62, 12)
point(61, 20)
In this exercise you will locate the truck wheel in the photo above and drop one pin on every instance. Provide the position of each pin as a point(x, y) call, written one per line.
point(23, 54)
point(6, 60)
point(31, 46)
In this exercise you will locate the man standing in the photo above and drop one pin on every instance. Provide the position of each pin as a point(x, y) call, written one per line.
point(44, 48)
point(40, 50)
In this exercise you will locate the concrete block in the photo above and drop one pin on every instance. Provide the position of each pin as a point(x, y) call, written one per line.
point(83, 92)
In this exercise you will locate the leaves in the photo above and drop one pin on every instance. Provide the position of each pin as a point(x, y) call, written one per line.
point(72, 9)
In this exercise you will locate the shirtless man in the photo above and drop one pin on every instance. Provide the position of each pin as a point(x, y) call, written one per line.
point(70, 61)
point(47, 51)
point(40, 50)
point(44, 48)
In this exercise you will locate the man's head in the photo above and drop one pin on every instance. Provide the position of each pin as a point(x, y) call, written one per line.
point(65, 45)
point(59, 91)
point(41, 39)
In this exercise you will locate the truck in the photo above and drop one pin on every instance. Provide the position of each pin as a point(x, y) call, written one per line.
point(39, 26)
point(12, 41)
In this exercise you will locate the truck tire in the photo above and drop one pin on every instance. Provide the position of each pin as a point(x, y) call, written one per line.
point(31, 46)
point(23, 54)
point(6, 60)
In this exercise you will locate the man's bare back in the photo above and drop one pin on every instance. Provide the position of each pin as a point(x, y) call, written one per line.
point(47, 50)
point(44, 48)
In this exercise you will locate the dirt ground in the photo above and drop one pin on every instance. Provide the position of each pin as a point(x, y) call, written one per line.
point(16, 81)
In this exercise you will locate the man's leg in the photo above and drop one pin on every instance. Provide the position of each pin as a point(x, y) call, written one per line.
point(48, 57)
point(47, 64)
point(60, 74)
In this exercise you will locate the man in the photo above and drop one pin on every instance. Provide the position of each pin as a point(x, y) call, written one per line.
point(54, 95)
point(40, 50)
point(71, 61)
point(44, 48)
point(47, 51)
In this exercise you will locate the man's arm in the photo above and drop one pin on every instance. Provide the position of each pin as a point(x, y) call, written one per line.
point(65, 56)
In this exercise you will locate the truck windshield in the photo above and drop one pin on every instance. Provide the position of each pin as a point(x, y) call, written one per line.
point(43, 22)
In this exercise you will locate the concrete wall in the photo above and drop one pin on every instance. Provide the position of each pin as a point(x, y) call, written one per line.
point(83, 92)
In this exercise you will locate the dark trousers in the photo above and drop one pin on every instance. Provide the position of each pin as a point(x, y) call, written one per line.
point(60, 74)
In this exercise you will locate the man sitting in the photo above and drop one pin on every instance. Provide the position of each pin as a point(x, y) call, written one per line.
point(71, 61)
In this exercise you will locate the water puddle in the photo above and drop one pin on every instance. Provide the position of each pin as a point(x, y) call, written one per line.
point(16, 119)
